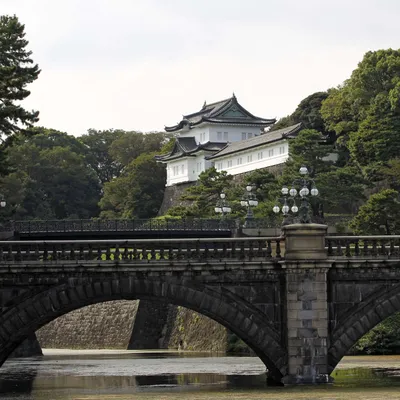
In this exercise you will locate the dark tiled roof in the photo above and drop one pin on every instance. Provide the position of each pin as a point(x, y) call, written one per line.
point(187, 146)
point(257, 141)
point(218, 113)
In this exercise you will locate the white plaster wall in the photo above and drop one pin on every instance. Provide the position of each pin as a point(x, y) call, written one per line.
point(255, 163)
point(193, 167)
point(234, 132)
point(197, 133)
point(180, 177)
point(210, 133)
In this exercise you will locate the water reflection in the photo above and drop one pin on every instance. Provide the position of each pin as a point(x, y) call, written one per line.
point(110, 375)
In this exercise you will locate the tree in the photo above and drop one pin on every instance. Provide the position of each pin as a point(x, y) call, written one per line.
point(380, 213)
point(364, 112)
point(17, 70)
point(309, 149)
point(138, 192)
point(308, 112)
point(203, 197)
point(98, 145)
point(49, 181)
point(341, 190)
point(132, 144)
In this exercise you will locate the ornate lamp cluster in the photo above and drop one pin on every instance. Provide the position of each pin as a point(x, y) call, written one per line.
point(222, 206)
point(290, 195)
point(249, 200)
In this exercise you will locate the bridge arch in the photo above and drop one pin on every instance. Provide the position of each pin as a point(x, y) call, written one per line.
point(360, 319)
point(30, 312)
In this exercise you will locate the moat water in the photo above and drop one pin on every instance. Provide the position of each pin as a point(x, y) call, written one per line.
point(120, 375)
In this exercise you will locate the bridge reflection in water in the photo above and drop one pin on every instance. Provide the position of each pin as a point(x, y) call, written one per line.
point(299, 301)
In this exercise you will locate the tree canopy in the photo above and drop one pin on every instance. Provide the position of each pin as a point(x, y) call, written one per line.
point(17, 70)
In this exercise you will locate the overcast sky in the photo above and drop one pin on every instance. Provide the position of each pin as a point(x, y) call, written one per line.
point(141, 64)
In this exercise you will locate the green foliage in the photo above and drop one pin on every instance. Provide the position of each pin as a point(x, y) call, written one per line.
point(380, 214)
point(50, 178)
point(131, 145)
point(138, 192)
point(383, 339)
point(203, 197)
point(309, 149)
point(342, 189)
point(365, 110)
point(98, 145)
point(17, 70)
point(308, 112)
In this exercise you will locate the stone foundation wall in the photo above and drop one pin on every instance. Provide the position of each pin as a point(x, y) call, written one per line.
point(193, 331)
point(149, 327)
point(172, 196)
point(133, 325)
point(99, 326)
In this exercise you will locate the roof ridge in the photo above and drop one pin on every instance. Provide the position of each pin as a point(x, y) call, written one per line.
point(288, 129)
point(216, 102)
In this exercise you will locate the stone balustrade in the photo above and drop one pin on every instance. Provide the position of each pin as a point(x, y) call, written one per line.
point(144, 250)
point(379, 247)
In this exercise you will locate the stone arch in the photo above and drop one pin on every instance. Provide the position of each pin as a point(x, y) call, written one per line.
point(21, 319)
point(360, 320)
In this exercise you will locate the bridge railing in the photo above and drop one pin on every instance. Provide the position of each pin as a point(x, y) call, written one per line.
point(121, 225)
point(143, 250)
point(363, 246)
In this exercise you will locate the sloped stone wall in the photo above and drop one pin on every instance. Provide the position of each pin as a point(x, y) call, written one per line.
point(172, 196)
point(99, 326)
point(193, 331)
point(133, 325)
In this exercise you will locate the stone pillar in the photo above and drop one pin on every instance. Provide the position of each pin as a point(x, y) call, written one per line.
point(306, 267)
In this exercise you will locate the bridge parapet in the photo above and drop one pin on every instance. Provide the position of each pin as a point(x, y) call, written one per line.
point(142, 250)
point(363, 247)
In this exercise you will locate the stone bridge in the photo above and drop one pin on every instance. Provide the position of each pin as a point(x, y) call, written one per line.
point(299, 301)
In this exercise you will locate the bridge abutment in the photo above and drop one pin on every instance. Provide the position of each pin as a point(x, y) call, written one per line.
point(307, 321)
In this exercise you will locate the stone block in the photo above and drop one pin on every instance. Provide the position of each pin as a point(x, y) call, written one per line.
point(294, 351)
point(307, 332)
point(292, 296)
point(295, 323)
point(320, 323)
point(307, 323)
point(294, 305)
point(307, 314)
point(319, 287)
point(323, 332)
point(292, 314)
point(306, 296)
point(293, 333)
point(320, 305)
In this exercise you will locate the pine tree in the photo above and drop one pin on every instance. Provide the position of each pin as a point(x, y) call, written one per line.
point(17, 70)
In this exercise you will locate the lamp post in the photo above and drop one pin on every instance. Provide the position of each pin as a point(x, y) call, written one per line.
point(222, 206)
point(304, 192)
point(249, 200)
